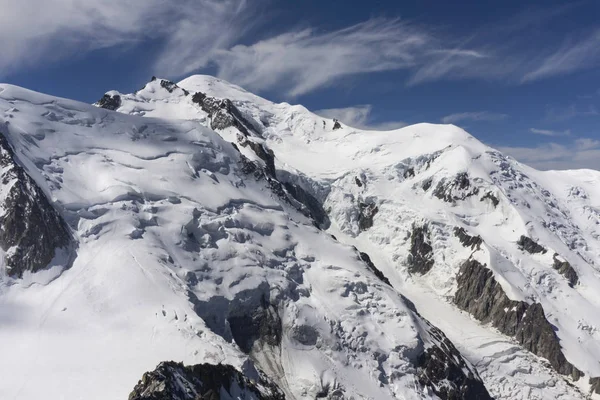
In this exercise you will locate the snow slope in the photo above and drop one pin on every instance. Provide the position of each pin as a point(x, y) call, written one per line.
point(184, 256)
point(440, 177)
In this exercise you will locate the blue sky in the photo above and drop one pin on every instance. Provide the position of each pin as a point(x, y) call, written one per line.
point(522, 76)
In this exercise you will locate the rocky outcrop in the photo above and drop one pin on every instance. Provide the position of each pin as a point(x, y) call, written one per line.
point(458, 188)
point(530, 246)
point(566, 270)
point(31, 230)
point(366, 213)
point(248, 319)
point(367, 260)
point(313, 207)
point(174, 381)
point(474, 242)
point(490, 196)
point(443, 370)
point(595, 385)
point(482, 296)
point(420, 257)
point(171, 86)
point(223, 113)
point(336, 124)
point(109, 102)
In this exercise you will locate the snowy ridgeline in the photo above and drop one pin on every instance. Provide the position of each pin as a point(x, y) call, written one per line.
point(199, 223)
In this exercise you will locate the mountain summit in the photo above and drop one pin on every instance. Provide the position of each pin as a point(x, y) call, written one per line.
point(221, 246)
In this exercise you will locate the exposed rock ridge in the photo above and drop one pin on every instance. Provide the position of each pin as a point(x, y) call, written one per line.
point(420, 257)
point(531, 246)
point(31, 230)
point(442, 368)
point(482, 296)
point(474, 242)
point(174, 381)
point(566, 270)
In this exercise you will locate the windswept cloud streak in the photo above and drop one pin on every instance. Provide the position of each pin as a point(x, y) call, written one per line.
point(473, 116)
point(359, 117)
point(581, 153)
point(548, 132)
point(194, 34)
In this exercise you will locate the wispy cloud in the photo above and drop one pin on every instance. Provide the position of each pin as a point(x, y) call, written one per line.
point(48, 30)
point(473, 116)
point(359, 117)
point(306, 60)
point(548, 132)
point(194, 34)
point(570, 112)
point(581, 153)
point(571, 56)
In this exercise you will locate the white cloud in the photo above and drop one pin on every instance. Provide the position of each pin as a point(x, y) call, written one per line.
point(473, 116)
point(307, 60)
point(359, 117)
point(193, 34)
point(571, 56)
point(548, 132)
point(567, 113)
point(581, 153)
point(35, 31)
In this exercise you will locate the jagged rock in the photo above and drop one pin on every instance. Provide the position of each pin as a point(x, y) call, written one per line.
point(442, 369)
point(420, 257)
point(31, 230)
point(247, 319)
point(427, 184)
point(170, 86)
point(490, 196)
point(366, 213)
point(358, 181)
point(174, 381)
point(482, 296)
point(367, 260)
point(109, 102)
point(595, 385)
point(336, 124)
point(456, 189)
point(314, 208)
point(530, 246)
point(223, 113)
point(565, 269)
point(474, 242)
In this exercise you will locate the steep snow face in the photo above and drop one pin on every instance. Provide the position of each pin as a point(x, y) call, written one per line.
point(186, 252)
point(403, 195)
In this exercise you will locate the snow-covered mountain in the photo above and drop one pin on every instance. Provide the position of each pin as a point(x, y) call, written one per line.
point(199, 223)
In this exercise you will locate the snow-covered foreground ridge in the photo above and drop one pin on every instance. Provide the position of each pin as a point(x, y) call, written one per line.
point(199, 223)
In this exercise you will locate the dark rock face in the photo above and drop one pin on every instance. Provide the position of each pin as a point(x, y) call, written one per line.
point(248, 319)
point(336, 124)
point(358, 181)
point(366, 213)
point(314, 208)
point(174, 381)
point(595, 385)
point(530, 246)
point(481, 295)
point(474, 242)
point(109, 102)
point(442, 368)
point(170, 86)
point(456, 189)
point(223, 113)
point(31, 228)
point(490, 196)
point(566, 270)
point(367, 260)
point(420, 256)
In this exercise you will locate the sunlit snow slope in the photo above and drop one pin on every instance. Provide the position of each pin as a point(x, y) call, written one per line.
point(424, 200)
point(187, 250)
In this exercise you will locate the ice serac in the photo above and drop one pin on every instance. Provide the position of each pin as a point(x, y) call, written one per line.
point(175, 381)
point(32, 232)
